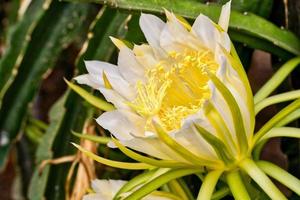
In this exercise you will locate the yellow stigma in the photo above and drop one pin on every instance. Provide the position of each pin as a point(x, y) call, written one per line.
point(175, 88)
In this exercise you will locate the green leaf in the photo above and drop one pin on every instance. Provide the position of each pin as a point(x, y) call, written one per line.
point(73, 113)
point(208, 186)
point(17, 41)
point(261, 7)
point(242, 23)
point(49, 38)
point(248, 40)
point(97, 46)
point(44, 151)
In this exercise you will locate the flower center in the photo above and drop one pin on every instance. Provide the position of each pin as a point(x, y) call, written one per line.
point(175, 88)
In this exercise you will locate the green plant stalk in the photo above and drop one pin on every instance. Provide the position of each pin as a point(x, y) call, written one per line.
point(219, 194)
point(40, 124)
point(238, 21)
point(257, 149)
point(289, 118)
point(281, 132)
point(276, 119)
point(276, 79)
point(186, 188)
point(274, 132)
point(287, 96)
point(33, 134)
point(261, 179)
point(93, 138)
point(208, 185)
point(236, 186)
point(159, 181)
point(176, 188)
point(136, 181)
point(280, 175)
point(166, 195)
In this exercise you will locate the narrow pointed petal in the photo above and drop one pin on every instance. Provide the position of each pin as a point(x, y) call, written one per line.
point(206, 31)
point(224, 16)
point(129, 68)
point(152, 27)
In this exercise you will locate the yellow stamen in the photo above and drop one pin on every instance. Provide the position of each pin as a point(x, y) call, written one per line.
point(175, 88)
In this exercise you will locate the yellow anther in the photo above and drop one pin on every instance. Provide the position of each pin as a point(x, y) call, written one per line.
point(175, 88)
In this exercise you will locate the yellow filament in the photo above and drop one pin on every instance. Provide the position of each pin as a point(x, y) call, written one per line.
point(175, 88)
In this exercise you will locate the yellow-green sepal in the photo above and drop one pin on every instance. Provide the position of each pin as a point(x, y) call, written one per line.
point(181, 150)
point(236, 64)
point(148, 160)
point(219, 147)
point(112, 163)
point(93, 100)
point(93, 138)
point(235, 113)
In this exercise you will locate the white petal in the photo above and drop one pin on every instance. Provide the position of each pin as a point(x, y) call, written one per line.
point(224, 16)
point(204, 28)
point(224, 41)
point(155, 197)
point(145, 56)
point(232, 81)
point(130, 69)
point(152, 27)
point(192, 140)
point(115, 98)
point(107, 188)
point(175, 37)
point(95, 70)
point(97, 67)
point(153, 147)
point(121, 86)
point(122, 123)
point(95, 197)
point(87, 79)
point(95, 78)
point(222, 107)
